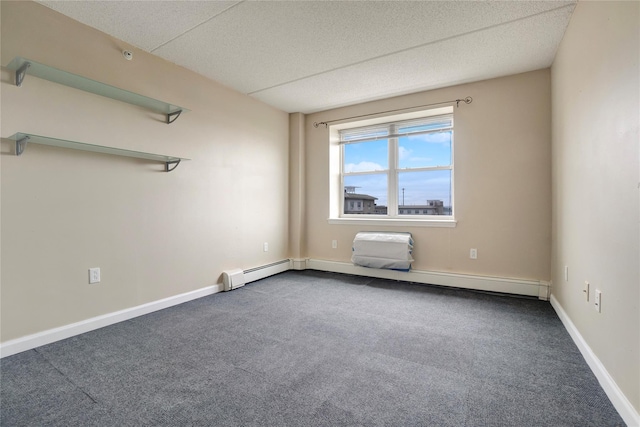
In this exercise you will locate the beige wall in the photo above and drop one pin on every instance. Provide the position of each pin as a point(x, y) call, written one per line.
point(296, 185)
point(153, 234)
point(595, 86)
point(502, 181)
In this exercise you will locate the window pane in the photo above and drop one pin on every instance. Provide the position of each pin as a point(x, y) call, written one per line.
point(366, 156)
point(419, 151)
point(365, 194)
point(424, 193)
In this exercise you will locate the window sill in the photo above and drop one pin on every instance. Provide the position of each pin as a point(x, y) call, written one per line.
point(394, 222)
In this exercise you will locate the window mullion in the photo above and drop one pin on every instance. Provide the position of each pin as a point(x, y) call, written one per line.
point(374, 172)
point(426, 169)
point(342, 201)
point(392, 190)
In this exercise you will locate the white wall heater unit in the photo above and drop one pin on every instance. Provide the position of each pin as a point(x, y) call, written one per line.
point(232, 279)
point(383, 250)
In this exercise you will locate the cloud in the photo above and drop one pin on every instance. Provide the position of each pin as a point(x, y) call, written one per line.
point(434, 138)
point(404, 153)
point(362, 167)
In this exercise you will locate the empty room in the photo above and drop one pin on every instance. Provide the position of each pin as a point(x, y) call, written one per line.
point(320, 213)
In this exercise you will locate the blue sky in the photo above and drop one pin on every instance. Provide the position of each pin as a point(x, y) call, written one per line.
point(416, 151)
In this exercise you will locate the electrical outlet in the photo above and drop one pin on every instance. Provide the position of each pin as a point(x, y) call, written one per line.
point(598, 301)
point(334, 244)
point(473, 253)
point(265, 247)
point(585, 290)
point(94, 275)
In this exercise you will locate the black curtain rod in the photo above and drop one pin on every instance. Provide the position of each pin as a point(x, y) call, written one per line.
point(466, 100)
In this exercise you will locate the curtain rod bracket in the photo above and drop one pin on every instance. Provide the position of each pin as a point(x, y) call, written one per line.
point(316, 124)
point(467, 100)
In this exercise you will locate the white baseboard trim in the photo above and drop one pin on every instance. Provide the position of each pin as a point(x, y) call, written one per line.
point(298, 263)
point(466, 281)
point(46, 337)
point(52, 335)
point(617, 397)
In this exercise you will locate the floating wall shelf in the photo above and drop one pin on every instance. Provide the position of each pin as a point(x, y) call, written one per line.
point(170, 162)
point(24, 66)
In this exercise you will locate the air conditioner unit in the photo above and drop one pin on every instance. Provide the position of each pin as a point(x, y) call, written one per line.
point(232, 279)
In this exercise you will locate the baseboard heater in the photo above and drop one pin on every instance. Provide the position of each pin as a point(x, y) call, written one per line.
point(236, 278)
point(383, 250)
point(233, 279)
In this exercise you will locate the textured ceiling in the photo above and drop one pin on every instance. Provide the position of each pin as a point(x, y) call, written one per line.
point(307, 56)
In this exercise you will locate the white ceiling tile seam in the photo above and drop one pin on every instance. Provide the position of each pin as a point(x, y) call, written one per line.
point(196, 26)
point(432, 42)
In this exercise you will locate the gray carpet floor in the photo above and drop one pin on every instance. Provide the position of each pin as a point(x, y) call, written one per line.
point(315, 349)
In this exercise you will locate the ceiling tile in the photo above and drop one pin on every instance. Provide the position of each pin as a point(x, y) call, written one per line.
point(145, 24)
point(517, 47)
point(257, 45)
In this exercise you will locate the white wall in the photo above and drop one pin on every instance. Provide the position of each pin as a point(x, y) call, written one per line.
point(153, 234)
point(595, 102)
point(502, 179)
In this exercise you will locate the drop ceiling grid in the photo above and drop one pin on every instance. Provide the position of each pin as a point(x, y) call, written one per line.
point(458, 60)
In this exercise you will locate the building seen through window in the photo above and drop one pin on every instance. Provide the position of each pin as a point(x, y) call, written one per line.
point(357, 203)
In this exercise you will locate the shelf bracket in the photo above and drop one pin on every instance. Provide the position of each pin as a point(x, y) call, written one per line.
point(21, 72)
point(21, 144)
point(167, 165)
point(172, 117)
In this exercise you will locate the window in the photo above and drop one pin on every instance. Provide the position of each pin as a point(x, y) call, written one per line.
point(404, 167)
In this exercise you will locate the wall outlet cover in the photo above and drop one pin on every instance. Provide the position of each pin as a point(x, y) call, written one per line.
point(94, 275)
point(598, 301)
point(585, 290)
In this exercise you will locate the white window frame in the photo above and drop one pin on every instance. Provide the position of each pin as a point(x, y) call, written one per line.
point(336, 192)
